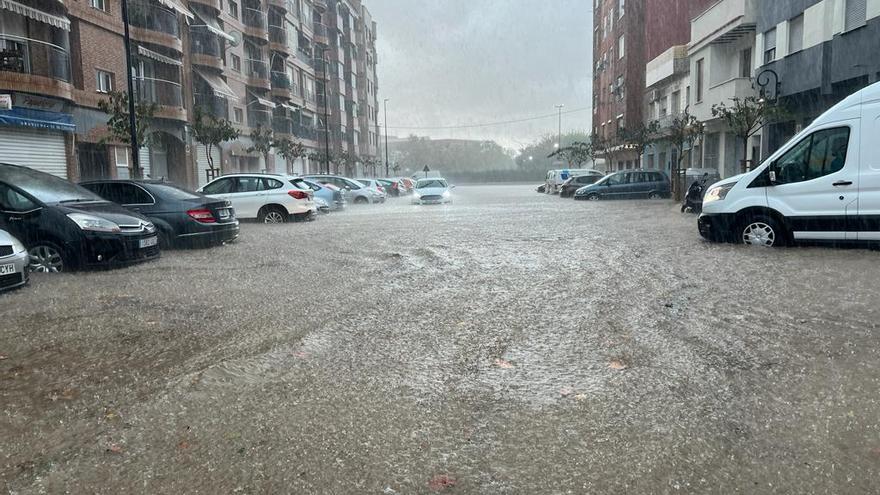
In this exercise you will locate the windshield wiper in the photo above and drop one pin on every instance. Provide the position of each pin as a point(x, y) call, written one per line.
point(80, 200)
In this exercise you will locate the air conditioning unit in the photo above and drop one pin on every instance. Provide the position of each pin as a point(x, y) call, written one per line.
point(655, 95)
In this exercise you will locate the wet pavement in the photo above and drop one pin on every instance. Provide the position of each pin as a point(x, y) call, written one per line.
point(509, 343)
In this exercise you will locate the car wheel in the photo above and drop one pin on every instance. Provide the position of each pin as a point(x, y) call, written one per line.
point(272, 214)
point(762, 231)
point(593, 197)
point(653, 195)
point(360, 200)
point(46, 257)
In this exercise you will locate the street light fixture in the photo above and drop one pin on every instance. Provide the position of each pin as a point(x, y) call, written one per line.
point(560, 107)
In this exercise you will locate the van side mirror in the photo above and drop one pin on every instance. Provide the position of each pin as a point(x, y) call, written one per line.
point(772, 177)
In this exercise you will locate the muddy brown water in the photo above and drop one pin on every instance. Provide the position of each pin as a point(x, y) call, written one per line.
point(511, 342)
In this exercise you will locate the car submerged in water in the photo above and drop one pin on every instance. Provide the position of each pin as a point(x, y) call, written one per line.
point(432, 191)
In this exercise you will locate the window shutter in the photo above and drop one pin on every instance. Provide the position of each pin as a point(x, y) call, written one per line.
point(856, 14)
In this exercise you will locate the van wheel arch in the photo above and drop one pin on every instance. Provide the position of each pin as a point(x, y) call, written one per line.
point(749, 215)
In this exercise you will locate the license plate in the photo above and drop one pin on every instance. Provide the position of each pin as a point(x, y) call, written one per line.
point(7, 269)
point(148, 242)
point(223, 213)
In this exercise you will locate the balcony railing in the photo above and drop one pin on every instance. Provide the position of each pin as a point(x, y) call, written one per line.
point(304, 55)
point(278, 34)
point(146, 15)
point(254, 18)
point(34, 57)
point(280, 80)
point(205, 42)
point(257, 69)
point(305, 132)
point(213, 104)
point(319, 29)
point(282, 125)
point(258, 116)
point(158, 91)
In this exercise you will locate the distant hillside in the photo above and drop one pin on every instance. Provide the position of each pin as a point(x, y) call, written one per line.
point(449, 155)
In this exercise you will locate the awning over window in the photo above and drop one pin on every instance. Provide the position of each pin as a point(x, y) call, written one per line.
point(217, 84)
point(212, 26)
point(158, 57)
point(39, 119)
point(60, 22)
point(176, 5)
point(289, 107)
point(265, 102)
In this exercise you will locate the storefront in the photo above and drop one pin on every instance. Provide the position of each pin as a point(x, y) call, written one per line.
point(34, 132)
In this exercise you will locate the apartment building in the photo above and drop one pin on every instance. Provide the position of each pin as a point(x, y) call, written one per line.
point(811, 54)
point(257, 63)
point(618, 75)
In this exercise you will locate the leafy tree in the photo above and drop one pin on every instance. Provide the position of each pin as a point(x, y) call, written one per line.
point(116, 107)
point(638, 138)
point(537, 155)
point(210, 131)
point(746, 117)
point(263, 138)
point(576, 154)
point(290, 150)
point(684, 133)
point(322, 157)
point(349, 161)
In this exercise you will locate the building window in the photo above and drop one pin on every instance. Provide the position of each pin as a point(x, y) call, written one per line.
point(856, 14)
point(620, 46)
point(796, 34)
point(237, 115)
point(99, 4)
point(233, 9)
point(745, 63)
point(676, 102)
point(770, 46)
point(104, 81)
point(236, 62)
point(620, 8)
point(699, 81)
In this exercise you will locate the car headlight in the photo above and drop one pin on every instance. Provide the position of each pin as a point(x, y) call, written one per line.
point(581, 190)
point(718, 193)
point(95, 224)
point(446, 194)
point(17, 246)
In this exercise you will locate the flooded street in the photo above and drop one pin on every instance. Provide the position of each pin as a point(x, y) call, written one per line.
point(511, 342)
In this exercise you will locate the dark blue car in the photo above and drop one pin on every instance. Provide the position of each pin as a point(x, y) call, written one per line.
point(627, 184)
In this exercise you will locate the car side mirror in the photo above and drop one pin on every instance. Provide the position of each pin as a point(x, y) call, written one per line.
point(772, 177)
point(452, 186)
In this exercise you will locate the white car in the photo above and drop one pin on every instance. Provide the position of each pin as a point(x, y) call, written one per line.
point(14, 261)
point(267, 198)
point(376, 189)
point(821, 186)
point(357, 193)
point(432, 191)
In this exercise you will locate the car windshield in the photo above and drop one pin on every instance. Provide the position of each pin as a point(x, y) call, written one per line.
point(47, 188)
point(425, 183)
point(168, 191)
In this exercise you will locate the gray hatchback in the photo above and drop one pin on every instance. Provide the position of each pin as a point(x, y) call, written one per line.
point(627, 184)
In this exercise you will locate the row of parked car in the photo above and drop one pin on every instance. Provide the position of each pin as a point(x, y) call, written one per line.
point(593, 185)
point(48, 224)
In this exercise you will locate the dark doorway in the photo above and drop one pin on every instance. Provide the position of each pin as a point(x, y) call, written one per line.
point(93, 161)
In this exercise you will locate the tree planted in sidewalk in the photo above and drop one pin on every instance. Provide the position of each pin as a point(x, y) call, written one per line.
point(210, 131)
point(262, 138)
point(290, 150)
point(746, 117)
point(639, 137)
point(118, 125)
point(683, 134)
point(322, 157)
point(575, 154)
point(349, 161)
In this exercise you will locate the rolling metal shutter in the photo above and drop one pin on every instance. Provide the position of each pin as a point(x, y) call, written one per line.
point(39, 149)
point(856, 13)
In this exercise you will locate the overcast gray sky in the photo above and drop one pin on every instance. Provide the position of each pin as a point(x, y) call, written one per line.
point(459, 62)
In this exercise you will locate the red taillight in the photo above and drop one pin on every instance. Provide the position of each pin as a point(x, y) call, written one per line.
point(380, 188)
point(295, 194)
point(202, 215)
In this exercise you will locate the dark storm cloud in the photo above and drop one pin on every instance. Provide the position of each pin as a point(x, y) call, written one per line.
point(447, 62)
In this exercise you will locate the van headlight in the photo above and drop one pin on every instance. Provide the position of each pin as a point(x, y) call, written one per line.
point(93, 223)
point(446, 194)
point(718, 193)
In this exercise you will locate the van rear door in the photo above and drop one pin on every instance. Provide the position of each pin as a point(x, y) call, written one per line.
point(817, 183)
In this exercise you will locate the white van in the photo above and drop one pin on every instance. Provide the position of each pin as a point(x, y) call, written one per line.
point(822, 185)
point(556, 177)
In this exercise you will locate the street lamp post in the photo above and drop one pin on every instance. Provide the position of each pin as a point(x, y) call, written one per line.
point(326, 111)
point(387, 172)
point(132, 118)
point(560, 107)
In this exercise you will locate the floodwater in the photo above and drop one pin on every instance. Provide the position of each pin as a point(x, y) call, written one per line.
point(511, 342)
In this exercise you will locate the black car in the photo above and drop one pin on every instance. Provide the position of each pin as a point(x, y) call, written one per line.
point(64, 226)
point(571, 185)
point(183, 218)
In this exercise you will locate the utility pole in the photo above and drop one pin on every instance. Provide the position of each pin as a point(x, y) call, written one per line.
point(326, 112)
point(132, 118)
point(560, 107)
point(387, 172)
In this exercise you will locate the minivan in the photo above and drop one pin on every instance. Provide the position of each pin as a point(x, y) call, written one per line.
point(627, 184)
point(823, 185)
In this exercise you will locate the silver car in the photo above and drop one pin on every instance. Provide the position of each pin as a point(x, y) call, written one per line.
point(14, 261)
point(356, 192)
point(376, 189)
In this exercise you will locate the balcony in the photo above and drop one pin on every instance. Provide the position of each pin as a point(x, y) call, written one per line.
point(257, 72)
point(725, 21)
point(212, 104)
point(278, 40)
point(255, 24)
point(281, 124)
point(258, 117)
point(305, 132)
point(213, 4)
point(281, 4)
point(34, 66)
point(167, 94)
point(206, 48)
point(739, 87)
point(155, 24)
point(320, 33)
